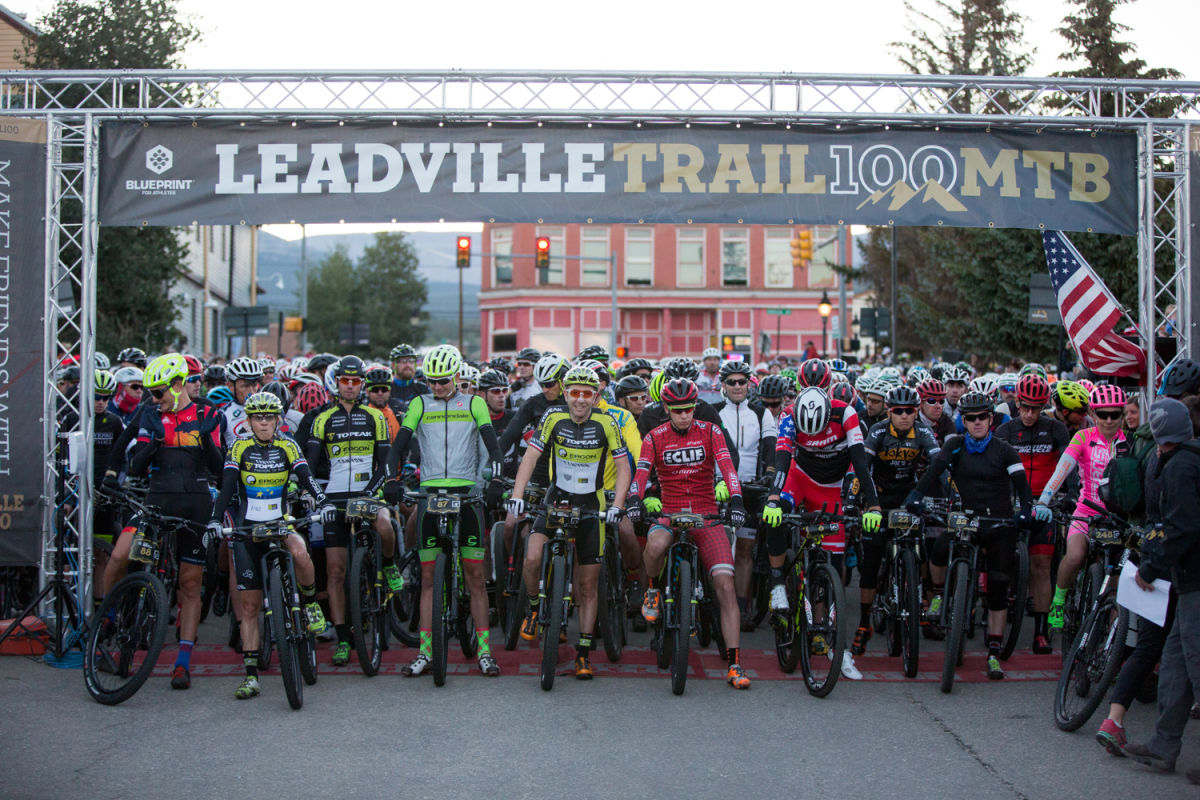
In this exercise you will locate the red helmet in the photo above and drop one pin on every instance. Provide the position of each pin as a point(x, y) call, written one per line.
point(1032, 390)
point(844, 392)
point(931, 389)
point(309, 396)
point(815, 372)
point(1106, 396)
point(193, 365)
point(679, 392)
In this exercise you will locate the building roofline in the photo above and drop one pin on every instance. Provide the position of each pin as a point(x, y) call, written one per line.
point(18, 21)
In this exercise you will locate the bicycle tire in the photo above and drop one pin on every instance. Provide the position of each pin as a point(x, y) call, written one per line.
point(364, 621)
point(959, 590)
point(1016, 611)
point(554, 620)
point(518, 608)
point(279, 615)
point(611, 614)
point(404, 606)
point(209, 586)
point(138, 605)
point(499, 571)
point(823, 585)
point(909, 615)
point(464, 629)
point(306, 650)
point(790, 632)
point(1092, 664)
point(441, 628)
point(893, 626)
point(683, 628)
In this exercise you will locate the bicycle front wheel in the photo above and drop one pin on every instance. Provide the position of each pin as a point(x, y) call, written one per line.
point(441, 627)
point(908, 615)
point(126, 636)
point(821, 615)
point(958, 594)
point(790, 630)
point(365, 619)
point(279, 618)
point(611, 613)
point(553, 606)
point(404, 607)
point(1092, 664)
point(1018, 594)
point(682, 634)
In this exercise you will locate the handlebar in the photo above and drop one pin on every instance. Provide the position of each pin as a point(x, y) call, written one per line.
point(275, 528)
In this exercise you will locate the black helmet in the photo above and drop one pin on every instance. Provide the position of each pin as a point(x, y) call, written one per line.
point(500, 365)
point(134, 355)
point(400, 351)
point(1183, 377)
point(815, 372)
point(528, 354)
point(773, 387)
point(900, 396)
point(682, 368)
point(321, 361)
point(734, 368)
point(634, 365)
point(974, 402)
point(594, 352)
point(492, 379)
point(216, 372)
point(843, 391)
point(630, 384)
point(350, 367)
point(279, 390)
point(380, 376)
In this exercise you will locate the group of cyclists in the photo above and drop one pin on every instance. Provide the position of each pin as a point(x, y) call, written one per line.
point(629, 442)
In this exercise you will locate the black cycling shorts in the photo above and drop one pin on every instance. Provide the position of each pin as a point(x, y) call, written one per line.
point(470, 529)
point(194, 506)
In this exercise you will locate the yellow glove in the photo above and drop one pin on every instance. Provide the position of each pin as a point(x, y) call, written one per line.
point(871, 521)
point(772, 514)
point(722, 492)
point(653, 505)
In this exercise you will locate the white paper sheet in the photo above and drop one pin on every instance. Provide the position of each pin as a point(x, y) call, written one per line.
point(1151, 605)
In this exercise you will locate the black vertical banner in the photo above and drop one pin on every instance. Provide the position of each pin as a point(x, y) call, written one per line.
point(1193, 224)
point(22, 303)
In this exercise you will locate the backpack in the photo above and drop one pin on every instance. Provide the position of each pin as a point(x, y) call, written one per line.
point(1123, 486)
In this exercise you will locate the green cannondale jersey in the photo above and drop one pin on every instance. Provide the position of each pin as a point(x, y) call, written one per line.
point(447, 432)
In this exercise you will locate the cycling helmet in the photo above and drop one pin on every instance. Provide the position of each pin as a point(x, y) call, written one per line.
point(493, 379)
point(811, 411)
point(528, 354)
point(501, 365)
point(163, 370)
point(304, 377)
point(734, 368)
point(321, 361)
point(890, 372)
point(403, 351)
point(815, 372)
point(679, 393)
point(67, 373)
point(1107, 396)
point(656, 385)
point(267, 365)
point(262, 403)
point(594, 352)
point(1070, 396)
point(286, 371)
point(349, 367)
point(331, 381)
point(246, 369)
point(220, 396)
point(634, 365)
point(1008, 381)
point(984, 385)
point(773, 387)
point(308, 397)
point(443, 361)
point(901, 396)
point(133, 355)
point(215, 373)
point(1032, 390)
point(710, 352)
point(1086, 384)
point(194, 367)
point(102, 361)
point(790, 374)
point(300, 362)
point(936, 371)
point(843, 391)
point(550, 368)
point(1032, 368)
point(470, 375)
point(379, 376)
point(837, 364)
point(630, 384)
point(127, 374)
point(681, 368)
point(865, 384)
point(590, 363)
point(955, 374)
point(916, 375)
point(280, 391)
point(105, 383)
point(975, 401)
point(581, 376)
point(1182, 377)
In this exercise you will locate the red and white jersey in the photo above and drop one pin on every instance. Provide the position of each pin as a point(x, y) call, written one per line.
point(686, 466)
point(825, 456)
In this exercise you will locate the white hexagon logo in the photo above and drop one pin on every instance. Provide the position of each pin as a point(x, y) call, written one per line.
point(159, 159)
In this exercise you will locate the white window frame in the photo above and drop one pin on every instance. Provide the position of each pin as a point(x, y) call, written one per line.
point(831, 252)
point(691, 236)
point(640, 235)
point(501, 247)
point(558, 248)
point(733, 236)
point(594, 235)
point(777, 242)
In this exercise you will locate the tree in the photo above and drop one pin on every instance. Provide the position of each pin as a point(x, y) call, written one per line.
point(383, 289)
point(135, 266)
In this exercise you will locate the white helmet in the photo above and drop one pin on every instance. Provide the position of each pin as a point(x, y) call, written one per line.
point(469, 374)
point(127, 375)
point(811, 411)
point(550, 368)
point(710, 352)
point(985, 384)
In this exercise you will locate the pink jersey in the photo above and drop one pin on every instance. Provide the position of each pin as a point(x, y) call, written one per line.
point(1091, 454)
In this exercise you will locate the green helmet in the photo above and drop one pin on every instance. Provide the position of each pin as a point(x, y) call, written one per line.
point(656, 384)
point(262, 403)
point(105, 382)
point(443, 361)
point(163, 370)
point(581, 376)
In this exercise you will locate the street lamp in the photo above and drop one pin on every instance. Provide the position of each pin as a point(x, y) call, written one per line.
point(824, 308)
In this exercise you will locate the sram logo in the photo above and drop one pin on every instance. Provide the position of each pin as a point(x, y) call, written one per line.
point(684, 455)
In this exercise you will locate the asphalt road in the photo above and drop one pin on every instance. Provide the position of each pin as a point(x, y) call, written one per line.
point(505, 737)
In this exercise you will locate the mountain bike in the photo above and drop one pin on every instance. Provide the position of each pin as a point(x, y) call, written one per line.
point(367, 591)
point(511, 596)
point(556, 581)
point(610, 615)
point(896, 611)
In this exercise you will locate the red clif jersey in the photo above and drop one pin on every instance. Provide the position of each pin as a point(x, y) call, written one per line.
point(686, 466)
point(824, 457)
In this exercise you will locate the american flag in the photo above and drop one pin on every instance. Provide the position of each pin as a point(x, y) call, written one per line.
point(1089, 312)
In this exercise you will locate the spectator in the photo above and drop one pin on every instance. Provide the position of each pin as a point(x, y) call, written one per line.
point(1133, 414)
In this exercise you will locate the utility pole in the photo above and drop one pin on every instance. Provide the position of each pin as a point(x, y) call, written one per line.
point(303, 289)
point(892, 332)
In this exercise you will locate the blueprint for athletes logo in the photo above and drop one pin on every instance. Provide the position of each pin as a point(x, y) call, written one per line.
point(159, 159)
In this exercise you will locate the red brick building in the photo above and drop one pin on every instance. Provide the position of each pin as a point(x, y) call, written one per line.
point(680, 288)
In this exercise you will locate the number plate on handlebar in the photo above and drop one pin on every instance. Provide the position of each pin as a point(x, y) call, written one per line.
point(820, 530)
point(687, 521)
point(1106, 536)
point(363, 508)
point(901, 519)
point(561, 516)
point(143, 549)
point(443, 504)
point(960, 523)
point(261, 533)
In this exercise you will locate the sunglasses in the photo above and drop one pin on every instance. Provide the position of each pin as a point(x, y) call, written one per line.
point(195, 378)
point(348, 381)
point(103, 398)
point(681, 409)
point(933, 401)
point(736, 383)
point(498, 390)
point(524, 363)
point(264, 417)
point(440, 381)
point(380, 389)
point(1109, 415)
point(134, 387)
point(903, 410)
point(976, 417)
point(157, 394)
point(581, 394)
point(1035, 409)
point(547, 384)
point(638, 398)
point(772, 403)
point(464, 385)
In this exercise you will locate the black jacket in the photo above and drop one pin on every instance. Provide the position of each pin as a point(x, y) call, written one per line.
point(1176, 552)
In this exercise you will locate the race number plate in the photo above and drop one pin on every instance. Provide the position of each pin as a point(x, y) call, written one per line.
point(444, 504)
point(901, 519)
point(143, 549)
point(687, 521)
point(959, 523)
point(363, 508)
point(1106, 536)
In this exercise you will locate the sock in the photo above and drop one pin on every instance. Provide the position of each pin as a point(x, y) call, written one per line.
point(734, 655)
point(1060, 596)
point(483, 636)
point(994, 644)
point(651, 582)
point(1039, 623)
point(427, 643)
point(534, 602)
point(1114, 722)
point(250, 659)
point(584, 646)
point(864, 616)
point(776, 576)
point(309, 593)
point(631, 575)
point(184, 659)
point(343, 632)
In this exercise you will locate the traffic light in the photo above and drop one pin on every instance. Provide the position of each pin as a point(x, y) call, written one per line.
point(867, 325)
point(805, 251)
point(797, 261)
point(542, 253)
point(883, 323)
point(464, 252)
point(622, 351)
point(727, 344)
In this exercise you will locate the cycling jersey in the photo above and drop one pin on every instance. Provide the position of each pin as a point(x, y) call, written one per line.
point(354, 443)
point(985, 480)
point(942, 429)
point(524, 392)
point(235, 425)
point(259, 472)
point(404, 391)
point(754, 432)
point(827, 456)
point(579, 451)
point(895, 457)
point(655, 414)
point(183, 460)
point(521, 428)
point(627, 426)
point(709, 386)
point(1090, 453)
point(448, 433)
point(686, 465)
point(1038, 446)
point(106, 431)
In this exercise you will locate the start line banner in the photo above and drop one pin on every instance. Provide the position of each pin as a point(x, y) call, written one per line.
point(229, 174)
